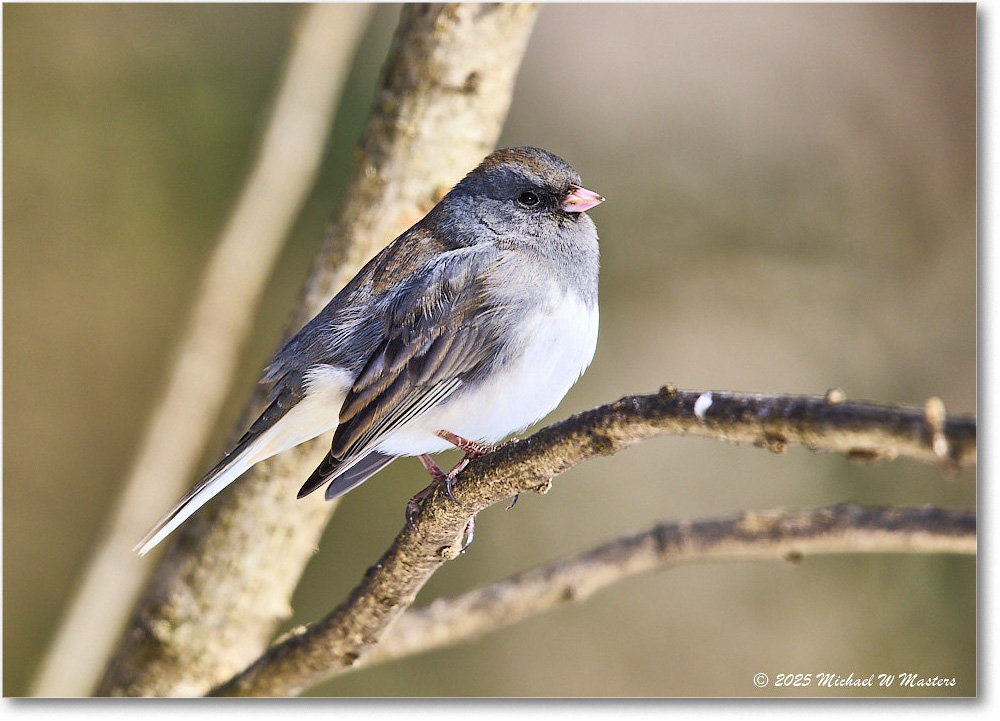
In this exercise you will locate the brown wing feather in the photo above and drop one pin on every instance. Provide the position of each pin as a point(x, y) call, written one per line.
point(438, 331)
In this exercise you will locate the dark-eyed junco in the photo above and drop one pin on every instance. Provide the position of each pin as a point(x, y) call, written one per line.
point(471, 325)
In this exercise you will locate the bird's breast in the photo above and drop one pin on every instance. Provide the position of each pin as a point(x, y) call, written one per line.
point(545, 351)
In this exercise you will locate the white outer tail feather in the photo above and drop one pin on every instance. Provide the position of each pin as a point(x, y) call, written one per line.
point(326, 388)
point(206, 491)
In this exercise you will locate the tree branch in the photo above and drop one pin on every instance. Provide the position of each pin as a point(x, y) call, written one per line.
point(283, 173)
point(225, 583)
point(788, 535)
point(860, 430)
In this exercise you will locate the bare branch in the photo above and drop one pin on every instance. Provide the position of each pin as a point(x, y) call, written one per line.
point(788, 535)
point(282, 175)
point(860, 430)
point(863, 431)
point(221, 590)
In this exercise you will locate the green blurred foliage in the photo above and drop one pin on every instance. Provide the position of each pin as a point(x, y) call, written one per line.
point(792, 206)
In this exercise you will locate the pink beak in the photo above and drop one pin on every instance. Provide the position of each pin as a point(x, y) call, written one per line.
point(580, 199)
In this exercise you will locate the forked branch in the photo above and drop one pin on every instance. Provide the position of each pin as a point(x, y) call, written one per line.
point(860, 430)
point(770, 535)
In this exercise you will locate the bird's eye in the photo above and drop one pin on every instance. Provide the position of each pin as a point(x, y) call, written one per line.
point(528, 199)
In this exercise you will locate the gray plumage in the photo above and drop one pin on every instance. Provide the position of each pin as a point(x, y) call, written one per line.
point(428, 329)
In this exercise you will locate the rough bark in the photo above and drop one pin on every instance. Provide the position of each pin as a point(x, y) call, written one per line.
point(860, 430)
point(224, 585)
point(174, 437)
point(768, 535)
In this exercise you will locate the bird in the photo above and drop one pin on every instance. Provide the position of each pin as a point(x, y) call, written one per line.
point(471, 325)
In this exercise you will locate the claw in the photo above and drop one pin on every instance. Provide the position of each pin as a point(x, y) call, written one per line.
point(470, 531)
point(439, 478)
point(447, 487)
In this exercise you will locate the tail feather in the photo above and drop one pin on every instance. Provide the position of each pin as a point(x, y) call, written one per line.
point(357, 474)
point(234, 466)
point(295, 416)
point(344, 477)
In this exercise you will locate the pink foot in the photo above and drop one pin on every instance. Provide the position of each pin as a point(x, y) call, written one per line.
point(439, 478)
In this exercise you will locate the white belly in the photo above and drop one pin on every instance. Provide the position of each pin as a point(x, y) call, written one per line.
point(561, 340)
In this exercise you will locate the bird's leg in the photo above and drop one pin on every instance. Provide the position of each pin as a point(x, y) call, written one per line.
point(437, 475)
point(472, 451)
point(439, 478)
point(471, 448)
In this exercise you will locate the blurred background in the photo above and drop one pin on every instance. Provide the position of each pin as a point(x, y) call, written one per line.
point(791, 206)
